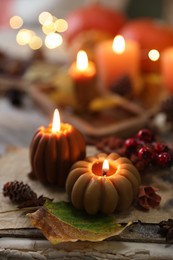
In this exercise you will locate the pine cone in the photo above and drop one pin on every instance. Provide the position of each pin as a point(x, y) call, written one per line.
point(166, 107)
point(122, 86)
point(18, 191)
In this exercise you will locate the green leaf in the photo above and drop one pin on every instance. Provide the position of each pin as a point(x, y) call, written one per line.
point(61, 222)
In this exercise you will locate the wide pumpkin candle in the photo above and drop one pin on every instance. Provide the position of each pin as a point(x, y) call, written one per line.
point(53, 150)
point(95, 185)
point(117, 58)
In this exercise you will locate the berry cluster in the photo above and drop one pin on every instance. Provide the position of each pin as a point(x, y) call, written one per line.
point(142, 149)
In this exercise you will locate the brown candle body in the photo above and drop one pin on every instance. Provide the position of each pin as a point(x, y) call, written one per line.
point(52, 154)
point(93, 192)
point(85, 85)
point(85, 92)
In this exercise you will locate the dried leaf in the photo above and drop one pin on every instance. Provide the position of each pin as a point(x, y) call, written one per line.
point(148, 198)
point(61, 222)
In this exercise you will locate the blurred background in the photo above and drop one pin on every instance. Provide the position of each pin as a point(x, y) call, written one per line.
point(29, 10)
point(19, 22)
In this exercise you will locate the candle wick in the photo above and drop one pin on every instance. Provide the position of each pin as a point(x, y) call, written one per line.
point(104, 172)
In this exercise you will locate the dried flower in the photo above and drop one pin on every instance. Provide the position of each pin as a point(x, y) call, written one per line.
point(148, 198)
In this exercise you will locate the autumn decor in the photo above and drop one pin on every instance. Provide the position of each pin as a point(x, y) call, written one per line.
point(54, 150)
point(18, 191)
point(148, 198)
point(103, 183)
point(22, 194)
point(142, 149)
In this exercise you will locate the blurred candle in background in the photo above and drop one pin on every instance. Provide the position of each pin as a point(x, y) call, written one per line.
point(167, 68)
point(82, 69)
point(83, 73)
point(117, 58)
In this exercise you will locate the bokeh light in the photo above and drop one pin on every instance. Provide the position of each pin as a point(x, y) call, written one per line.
point(35, 43)
point(24, 36)
point(61, 25)
point(53, 40)
point(49, 28)
point(16, 22)
point(45, 18)
point(154, 55)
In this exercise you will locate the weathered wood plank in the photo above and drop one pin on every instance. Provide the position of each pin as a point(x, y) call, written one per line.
point(137, 232)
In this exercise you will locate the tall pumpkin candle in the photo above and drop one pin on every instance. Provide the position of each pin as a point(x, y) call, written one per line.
point(53, 150)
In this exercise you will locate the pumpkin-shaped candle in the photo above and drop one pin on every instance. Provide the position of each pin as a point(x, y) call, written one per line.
point(99, 185)
point(54, 149)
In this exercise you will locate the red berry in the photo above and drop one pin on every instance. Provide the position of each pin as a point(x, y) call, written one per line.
point(160, 148)
point(146, 153)
point(164, 159)
point(145, 135)
point(131, 143)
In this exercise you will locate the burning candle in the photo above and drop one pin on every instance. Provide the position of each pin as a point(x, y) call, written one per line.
point(167, 68)
point(53, 150)
point(83, 73)
point(103, 183)
point(82, 69)
point(116, 59)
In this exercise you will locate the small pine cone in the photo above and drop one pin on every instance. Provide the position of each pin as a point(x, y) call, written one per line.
point(166, 107)
point(18, 191)
point(122, 86)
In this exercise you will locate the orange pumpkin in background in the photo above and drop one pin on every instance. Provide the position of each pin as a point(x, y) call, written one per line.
point(150, 34)
point(91, 24)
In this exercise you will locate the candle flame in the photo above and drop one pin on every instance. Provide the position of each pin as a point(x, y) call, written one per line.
point(82, 61)
point(105, 167)
point(118, 45)
point(56, 121)
point(154, 55)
